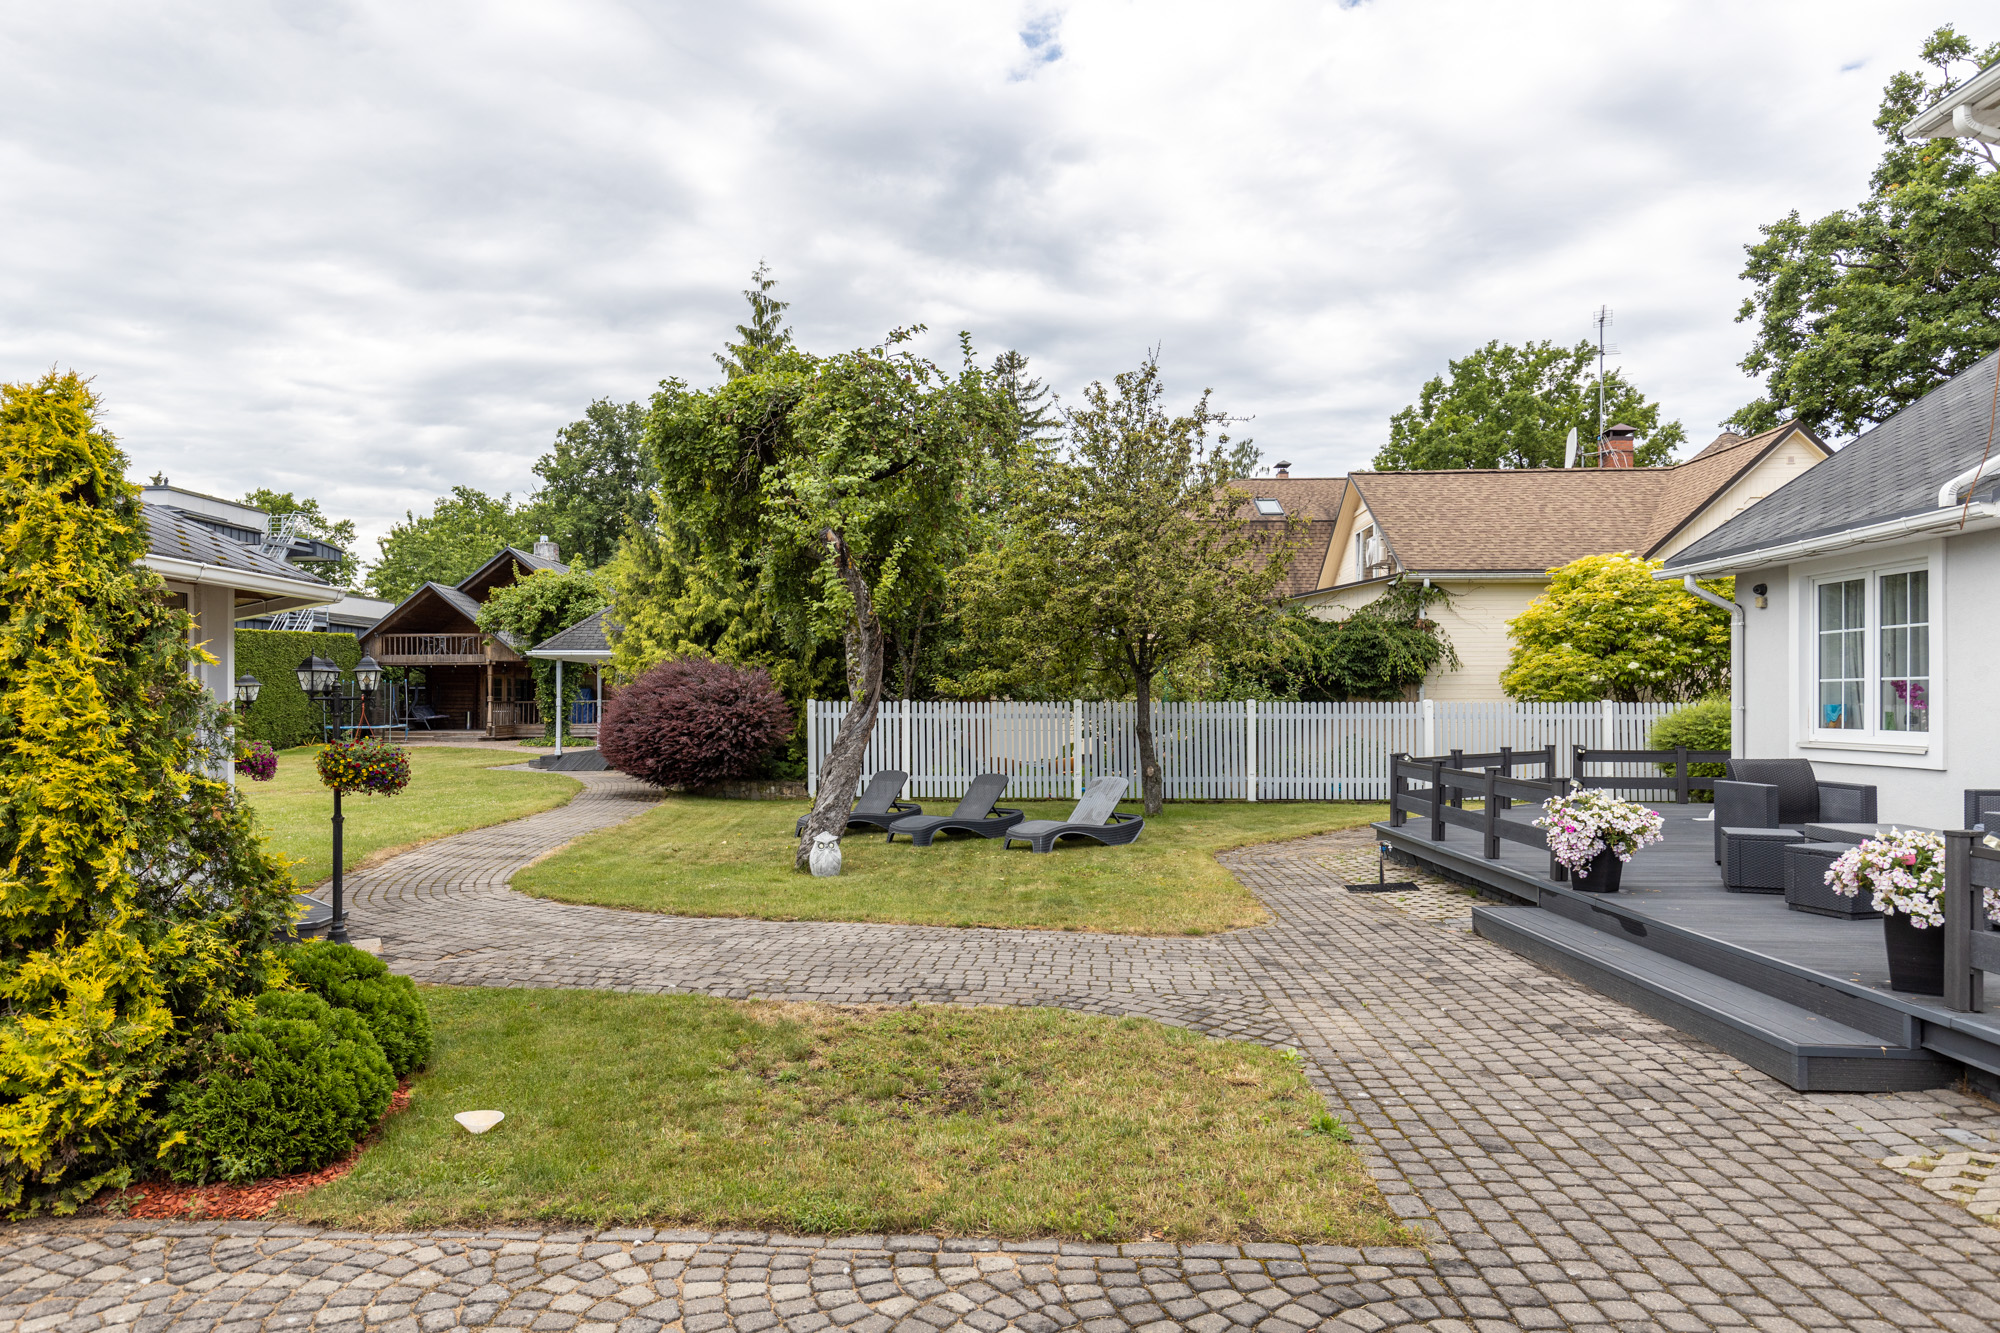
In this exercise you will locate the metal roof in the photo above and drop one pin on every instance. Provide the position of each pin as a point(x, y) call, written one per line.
point(1890, 471)
point(173, 536)
point(588, 640)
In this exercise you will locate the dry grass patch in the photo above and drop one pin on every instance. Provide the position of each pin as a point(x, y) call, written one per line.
point(812, 1119)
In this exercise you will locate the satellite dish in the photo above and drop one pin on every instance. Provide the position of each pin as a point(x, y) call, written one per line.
point(1569, 449)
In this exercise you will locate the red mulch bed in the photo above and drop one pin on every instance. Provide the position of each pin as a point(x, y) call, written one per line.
point(164, 1199)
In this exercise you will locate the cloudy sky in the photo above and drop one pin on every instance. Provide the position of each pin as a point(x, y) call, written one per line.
point(369, 251)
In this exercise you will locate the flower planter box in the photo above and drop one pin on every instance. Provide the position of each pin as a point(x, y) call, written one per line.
point(1806, 888)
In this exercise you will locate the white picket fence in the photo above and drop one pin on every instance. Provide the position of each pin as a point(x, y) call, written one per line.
point(1211, 751)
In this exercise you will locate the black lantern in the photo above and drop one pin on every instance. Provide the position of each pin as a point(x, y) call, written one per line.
point(247, 687)
point(367, 674)
point(317, 676)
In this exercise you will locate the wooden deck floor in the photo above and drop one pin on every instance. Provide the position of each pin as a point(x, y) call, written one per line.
point(1676, 883)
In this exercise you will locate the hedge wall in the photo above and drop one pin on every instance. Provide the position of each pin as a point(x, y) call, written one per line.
point(282, 714)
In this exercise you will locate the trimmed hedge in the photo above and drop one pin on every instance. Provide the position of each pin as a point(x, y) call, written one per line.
point(388, 1004)
point(282, 714)
point(1702, 725)
point(291, 1090)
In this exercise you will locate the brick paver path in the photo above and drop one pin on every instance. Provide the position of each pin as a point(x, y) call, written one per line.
point(1575, 1164)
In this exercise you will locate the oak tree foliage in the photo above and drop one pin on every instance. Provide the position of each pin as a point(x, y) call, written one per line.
point(1863, 311)
point(1506, 406)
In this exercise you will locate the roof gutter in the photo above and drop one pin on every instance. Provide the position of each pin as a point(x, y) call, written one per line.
point(1952, 117)
point(203, 574)
point(1983, 515)
point(1736, 690)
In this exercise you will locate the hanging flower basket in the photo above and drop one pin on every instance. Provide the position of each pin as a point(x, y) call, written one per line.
point(1593, 833)
point(257, 761)
point(367, 765)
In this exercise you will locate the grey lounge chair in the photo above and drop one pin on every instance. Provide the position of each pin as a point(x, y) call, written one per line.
point(1785, 793)
point(878, 806)
point(974, 814)
point(1095, 817)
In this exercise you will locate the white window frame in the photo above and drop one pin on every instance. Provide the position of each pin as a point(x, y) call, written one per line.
point(1921, 747)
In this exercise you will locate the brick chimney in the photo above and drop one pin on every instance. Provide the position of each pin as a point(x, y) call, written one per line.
point(1284, 469)
point(1618, 446)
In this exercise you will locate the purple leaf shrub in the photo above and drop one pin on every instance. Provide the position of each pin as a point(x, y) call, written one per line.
point(693, 722)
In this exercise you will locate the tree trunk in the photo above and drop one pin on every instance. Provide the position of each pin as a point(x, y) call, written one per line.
point(840, 774)
point(1149, 757)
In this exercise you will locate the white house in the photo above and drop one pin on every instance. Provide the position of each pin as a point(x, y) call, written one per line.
point(221, 580)
point(1868, 607)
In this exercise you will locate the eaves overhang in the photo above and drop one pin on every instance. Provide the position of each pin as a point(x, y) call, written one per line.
point(1979, 100)
point(1975, 517)
point(294, 593)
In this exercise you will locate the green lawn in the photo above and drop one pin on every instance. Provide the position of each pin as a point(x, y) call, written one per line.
point(685, 1110)
point(700, 857)
point(451, 789)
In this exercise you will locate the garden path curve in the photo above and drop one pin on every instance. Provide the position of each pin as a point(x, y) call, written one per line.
point(1576, 1164)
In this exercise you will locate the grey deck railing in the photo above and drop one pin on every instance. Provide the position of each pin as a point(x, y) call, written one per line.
point(1971, 944)
point(1435, 801)
point(1680, 757)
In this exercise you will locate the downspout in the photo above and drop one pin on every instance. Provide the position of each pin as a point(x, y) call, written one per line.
point(1735, 659)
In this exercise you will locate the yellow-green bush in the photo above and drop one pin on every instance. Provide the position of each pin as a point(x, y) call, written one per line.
point(136, 903)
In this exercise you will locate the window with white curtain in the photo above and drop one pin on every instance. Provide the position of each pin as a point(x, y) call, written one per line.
point(1872, 637)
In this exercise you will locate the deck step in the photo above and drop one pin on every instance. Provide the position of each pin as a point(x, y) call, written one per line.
point(1808, 1051)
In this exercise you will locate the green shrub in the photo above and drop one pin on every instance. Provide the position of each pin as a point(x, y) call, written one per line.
point(1702, 725)
point(292, 1089)
point(282, 714)
point(136, 901)
point(388, 1004)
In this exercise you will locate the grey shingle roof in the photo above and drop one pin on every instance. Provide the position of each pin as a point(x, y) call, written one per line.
point(1890, 471)
point(171, 536)
point(459, 601)
point(588, 635)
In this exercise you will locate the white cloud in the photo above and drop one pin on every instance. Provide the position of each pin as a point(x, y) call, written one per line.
point(369, 251)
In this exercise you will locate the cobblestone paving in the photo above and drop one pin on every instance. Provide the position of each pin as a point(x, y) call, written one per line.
point(250, 1276)
point(1573, 1163)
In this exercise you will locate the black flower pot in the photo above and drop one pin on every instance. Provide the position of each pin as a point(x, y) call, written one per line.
point(1916, 957)
point(1601, 876)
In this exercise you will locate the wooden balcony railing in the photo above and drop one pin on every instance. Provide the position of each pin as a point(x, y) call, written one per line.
point(421, 649)
point(516, 712)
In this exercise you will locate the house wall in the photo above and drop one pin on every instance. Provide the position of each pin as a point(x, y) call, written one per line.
point(1340, 559)
point(1790, 459)
point(1962, 748)
point(1476, 622)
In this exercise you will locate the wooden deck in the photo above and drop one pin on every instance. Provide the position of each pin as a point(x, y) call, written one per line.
point(1803, 997)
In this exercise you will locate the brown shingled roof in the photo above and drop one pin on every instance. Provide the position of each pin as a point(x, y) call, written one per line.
point(1314, 498)
point(1509, 518)
point(1521, 519)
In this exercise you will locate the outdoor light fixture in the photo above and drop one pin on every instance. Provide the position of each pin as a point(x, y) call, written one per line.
point(367, 674)
point(246, 690)
point(1760, 589)
point(317, 676)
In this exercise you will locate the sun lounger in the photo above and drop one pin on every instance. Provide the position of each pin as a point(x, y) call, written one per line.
point(878, 807)
point(1095, 817)
point(974, 814)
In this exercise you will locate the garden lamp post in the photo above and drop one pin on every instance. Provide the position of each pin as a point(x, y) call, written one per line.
point(367, 675)
point(247, 687)
point(319, 678)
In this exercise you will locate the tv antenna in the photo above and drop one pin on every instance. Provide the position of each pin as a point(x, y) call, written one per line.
point(1603, 322)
